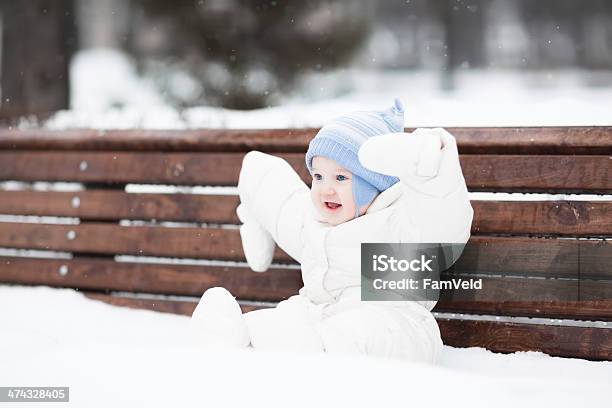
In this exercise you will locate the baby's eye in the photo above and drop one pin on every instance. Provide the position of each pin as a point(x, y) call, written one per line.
point(317, 176)
point(340, 177)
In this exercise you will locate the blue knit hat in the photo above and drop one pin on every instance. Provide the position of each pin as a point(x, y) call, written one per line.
point(340, 141)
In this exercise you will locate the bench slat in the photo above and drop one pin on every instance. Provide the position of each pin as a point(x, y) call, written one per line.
point(586, 259)
point(114, 205)
point(563, 341)
point(122, 167)
point(534, 140)
point(471, 140)
point(537, 173)
point(573, 218)
point(537, 257)
point(99, 238)
point(482, 172)
point(567, 218)
point(171, 279)
point(502, 289)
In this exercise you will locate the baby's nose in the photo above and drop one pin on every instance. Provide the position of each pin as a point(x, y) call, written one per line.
point(328, 191)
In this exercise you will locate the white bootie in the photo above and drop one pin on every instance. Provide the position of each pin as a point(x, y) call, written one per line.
point(257, 243)
point(217, 321)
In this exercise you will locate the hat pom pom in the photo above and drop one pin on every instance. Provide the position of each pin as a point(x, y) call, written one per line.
point(397, 107)
point(394, 116)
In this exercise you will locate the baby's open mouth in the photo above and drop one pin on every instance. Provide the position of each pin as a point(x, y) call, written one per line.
point(331, 205)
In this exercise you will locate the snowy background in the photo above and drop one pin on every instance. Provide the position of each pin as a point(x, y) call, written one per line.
point(108, 93)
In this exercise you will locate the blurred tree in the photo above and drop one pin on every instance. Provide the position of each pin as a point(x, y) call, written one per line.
point(463, 35)
point(244, 52)
point(566, 33)
point(38, 38)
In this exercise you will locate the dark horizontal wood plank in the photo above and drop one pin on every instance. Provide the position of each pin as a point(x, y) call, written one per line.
point(568, 218)
point(537, 257)
point(139, 140)
point(541, 173)
point(529, 297)
point(534, 140)
point(122, 167)
point(562, 341)
point(115, 205)
point(518, 289)
point(96, 274)
point(100, 238)
point(482, 172)
point(562, 258)
point(470, 140)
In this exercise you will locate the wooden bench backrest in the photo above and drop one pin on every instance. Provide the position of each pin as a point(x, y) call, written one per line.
point(553, 251)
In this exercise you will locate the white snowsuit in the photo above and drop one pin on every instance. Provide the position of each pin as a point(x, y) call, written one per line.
point(429, 204)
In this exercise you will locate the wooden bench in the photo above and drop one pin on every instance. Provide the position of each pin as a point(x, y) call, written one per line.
point(553, 250)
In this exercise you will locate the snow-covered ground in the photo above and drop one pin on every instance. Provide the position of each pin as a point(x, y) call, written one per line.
point(111, 356)
point(107, 93)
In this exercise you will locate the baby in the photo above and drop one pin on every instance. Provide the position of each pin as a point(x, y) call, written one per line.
point(370, 183)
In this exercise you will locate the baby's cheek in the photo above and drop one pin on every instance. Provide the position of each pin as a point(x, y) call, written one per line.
point(348, 198)
point(314, 195)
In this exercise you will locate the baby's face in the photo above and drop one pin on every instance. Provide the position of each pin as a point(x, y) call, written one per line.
point(332, 191)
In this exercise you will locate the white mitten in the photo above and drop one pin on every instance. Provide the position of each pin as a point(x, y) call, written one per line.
point(427, 160)
point(257, 243)
point(404, 155)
